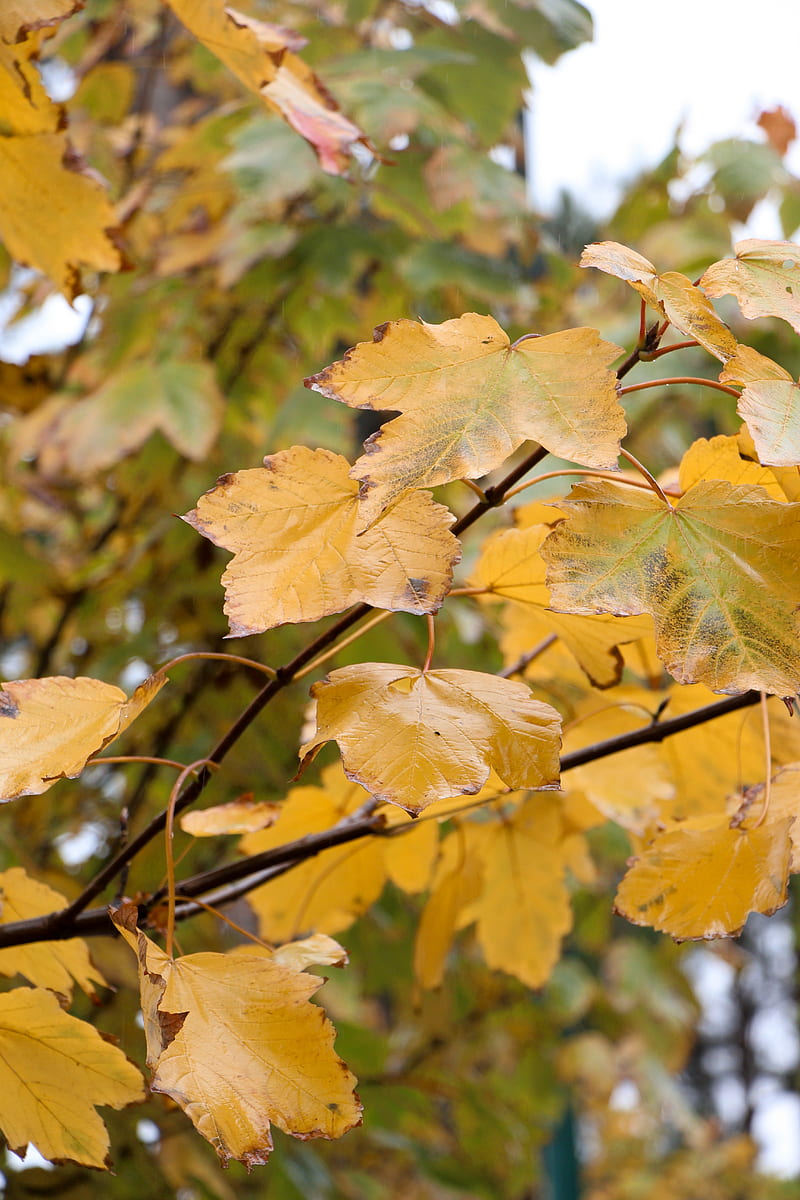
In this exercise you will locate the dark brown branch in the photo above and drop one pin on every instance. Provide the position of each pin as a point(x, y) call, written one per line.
point(251, 872)
point(285, 675)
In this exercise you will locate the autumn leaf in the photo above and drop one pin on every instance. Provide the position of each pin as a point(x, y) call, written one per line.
point(721, 458)
point(51, 727)
point(510, 566)
point(329, 891)
point(764, 277)
point(524, 911)
point(457, 885)
point(244, 815)
point(718, 573)
point(20, 18)
point(769, 406)
point(179, 399)
point(632, 787)
point(53, 965)
point(54, 1071)
point(55, 215)
point(469, 398)
point(235, 1069)
point(671, 294)
point(293, 529)
point(260, 56)
point(411, 737)
point(704, 879)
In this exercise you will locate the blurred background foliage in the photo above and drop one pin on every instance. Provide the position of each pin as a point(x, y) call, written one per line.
point(249, 268)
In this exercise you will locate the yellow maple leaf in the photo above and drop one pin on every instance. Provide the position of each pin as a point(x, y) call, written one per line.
point(524, 911)
point(764, 277)
point(327, 892)
point(244, 815)
point(633, 786)
point(710, 761)
point(721, 458)
point(469, 398)
point(51, 727)
point(260, 56)
point(704, 878)
point(718, 572)
point(768, 405)
point(453, 891)
point(671, 294)
point(236, 1043)
point(54, 1070)
point(412, 737)
point(54, 215)
point(52, 965)
point(511, 566)
point(19, 17)
point(293, 529)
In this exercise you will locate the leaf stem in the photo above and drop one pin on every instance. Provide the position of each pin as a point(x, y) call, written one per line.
point(431, 644)
point(334, 650)
point(231, 658)
point(135, 758)
point(168, 833)
point(613, 475)
point(651, 383)
point(215, 912)
point(479, 492)
point(768, 762)
point(651, 481)
point(654, 354)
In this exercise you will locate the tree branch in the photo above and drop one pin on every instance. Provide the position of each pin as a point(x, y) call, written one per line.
point(249, 873)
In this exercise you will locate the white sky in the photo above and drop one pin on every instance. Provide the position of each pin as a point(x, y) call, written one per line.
point(613, 106)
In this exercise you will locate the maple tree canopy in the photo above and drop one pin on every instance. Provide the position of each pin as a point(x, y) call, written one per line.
point(518, 573)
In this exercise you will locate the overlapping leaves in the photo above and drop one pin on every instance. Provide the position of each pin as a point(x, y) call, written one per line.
point(293, 528)
point(718, 572)
point(235, 1041)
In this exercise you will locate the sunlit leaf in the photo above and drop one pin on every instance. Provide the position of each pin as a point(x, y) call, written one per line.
point(672, 294)
point(412, 738)
point(49, 728)
point(469, 398)
point(54, 1071)
point(237, 1068)
point(53, 965)
point(764, 277)
point(703, 881)
point(718, 573)
point(292, 526)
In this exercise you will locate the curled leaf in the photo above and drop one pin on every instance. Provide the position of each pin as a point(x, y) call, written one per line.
point(236, 1043)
